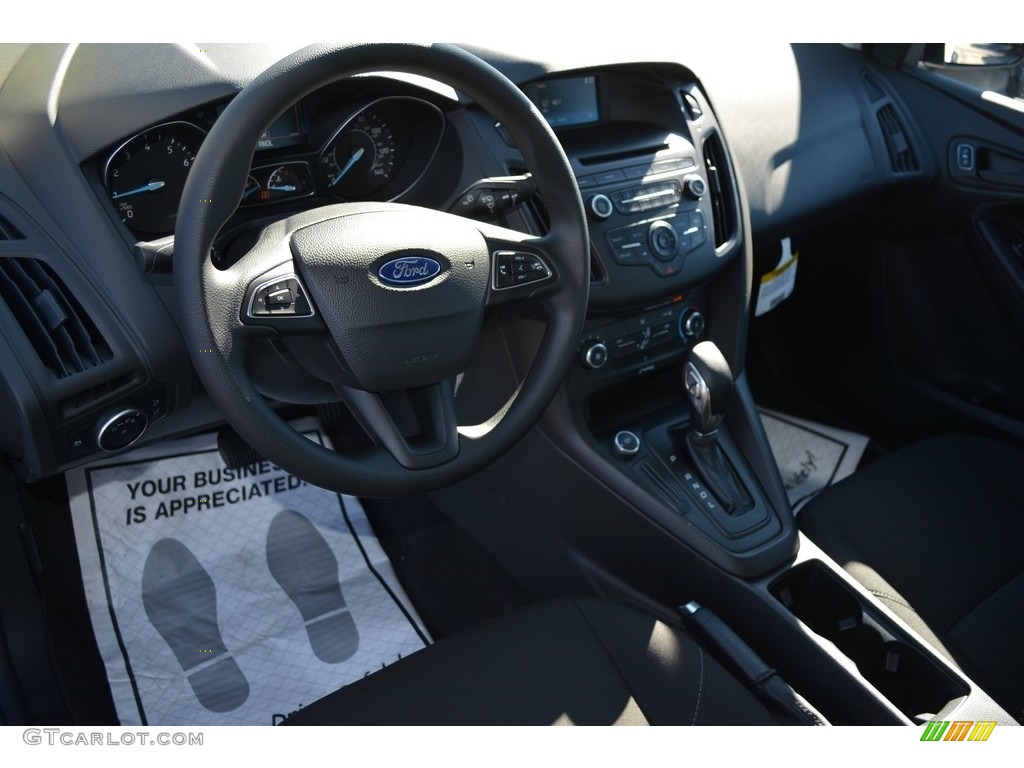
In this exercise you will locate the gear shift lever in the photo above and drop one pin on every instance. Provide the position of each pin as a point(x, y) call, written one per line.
point(708, 382)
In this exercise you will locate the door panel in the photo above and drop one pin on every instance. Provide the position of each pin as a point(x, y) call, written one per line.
point(908, 318)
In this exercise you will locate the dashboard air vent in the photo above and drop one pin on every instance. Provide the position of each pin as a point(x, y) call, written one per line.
point(55, 324)
point(901, 154)
point(720, 189)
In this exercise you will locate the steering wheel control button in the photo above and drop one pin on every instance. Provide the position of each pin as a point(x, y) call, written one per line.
point(119, 428)
point(280, 298)
point(600, 207)
point(283, 297)
point(516, 268)
point(626, 444)
point(594, 354)
point(663, 240)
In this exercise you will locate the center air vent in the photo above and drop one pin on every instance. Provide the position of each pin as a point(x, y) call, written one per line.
point(62, 335)
point(720, 189)
point(901, 154)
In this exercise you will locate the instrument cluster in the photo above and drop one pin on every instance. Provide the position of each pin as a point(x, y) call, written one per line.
point(370, 149)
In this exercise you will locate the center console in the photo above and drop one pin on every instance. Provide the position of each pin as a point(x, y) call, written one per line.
point(652, 468)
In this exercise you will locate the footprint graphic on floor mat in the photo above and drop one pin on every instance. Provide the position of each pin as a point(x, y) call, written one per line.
point(305, 567)
point(181, 603)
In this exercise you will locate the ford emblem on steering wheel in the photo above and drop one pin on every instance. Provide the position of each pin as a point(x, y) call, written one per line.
point(409, 270)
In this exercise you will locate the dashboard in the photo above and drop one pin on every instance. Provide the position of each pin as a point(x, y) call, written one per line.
point(90, 195)
point(647, 151)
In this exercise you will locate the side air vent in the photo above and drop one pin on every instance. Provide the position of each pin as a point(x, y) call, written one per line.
point(901, 154)
point(720, 190)
point(61, 333)
point(8, 231)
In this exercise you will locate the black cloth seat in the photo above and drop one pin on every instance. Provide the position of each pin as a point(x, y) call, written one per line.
point(936, 531)
point(571, 660)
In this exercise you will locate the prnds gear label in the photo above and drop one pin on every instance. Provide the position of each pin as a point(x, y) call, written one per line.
point(225, 596)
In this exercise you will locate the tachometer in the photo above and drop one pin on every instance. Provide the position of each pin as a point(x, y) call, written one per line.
point(145, 176)
point(360, 159)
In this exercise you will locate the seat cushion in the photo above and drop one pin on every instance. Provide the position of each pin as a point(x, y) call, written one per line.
point(572, 660)
point(936, 531)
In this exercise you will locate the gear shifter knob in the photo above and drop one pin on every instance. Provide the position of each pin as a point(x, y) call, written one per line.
point(707, 380)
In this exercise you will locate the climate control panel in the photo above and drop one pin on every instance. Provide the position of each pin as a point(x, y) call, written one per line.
point(639, 339)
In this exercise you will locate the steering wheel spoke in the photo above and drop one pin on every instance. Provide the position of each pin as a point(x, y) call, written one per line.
point(416, 426)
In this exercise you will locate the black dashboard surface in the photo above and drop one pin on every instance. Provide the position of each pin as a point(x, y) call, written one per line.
point(660, 150)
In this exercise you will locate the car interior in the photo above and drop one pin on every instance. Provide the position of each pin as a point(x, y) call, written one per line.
point(554, 317)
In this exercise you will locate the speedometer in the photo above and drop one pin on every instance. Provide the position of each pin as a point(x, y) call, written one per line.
point(360, 159)
point(145, 176)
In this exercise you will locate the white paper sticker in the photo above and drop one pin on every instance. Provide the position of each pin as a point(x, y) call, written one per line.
point(778, 285)
point(810, 456)
point(230, 597)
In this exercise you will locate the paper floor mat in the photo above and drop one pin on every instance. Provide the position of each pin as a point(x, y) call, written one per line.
point(810, 456)
point(230, 597)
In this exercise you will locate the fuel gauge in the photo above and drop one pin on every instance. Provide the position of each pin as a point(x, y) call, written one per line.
point(276, 183)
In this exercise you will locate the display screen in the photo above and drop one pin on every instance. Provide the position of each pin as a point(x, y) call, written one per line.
point(565, 102)
point(286, 131)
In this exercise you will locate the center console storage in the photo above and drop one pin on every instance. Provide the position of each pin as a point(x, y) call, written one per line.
point(905, 673)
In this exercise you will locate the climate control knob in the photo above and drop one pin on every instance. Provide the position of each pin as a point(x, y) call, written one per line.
point(691, 324)
point(594, 354)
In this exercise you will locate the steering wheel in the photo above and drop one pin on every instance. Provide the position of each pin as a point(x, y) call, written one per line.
point(382, 297)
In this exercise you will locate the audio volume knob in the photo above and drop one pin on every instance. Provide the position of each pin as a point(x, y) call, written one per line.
point(663, 240)
point(594, 354)
point(600, 207)
point(695, 187)
point(120, 427)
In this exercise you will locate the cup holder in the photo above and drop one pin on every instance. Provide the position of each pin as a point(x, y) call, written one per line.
point(906, 674)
